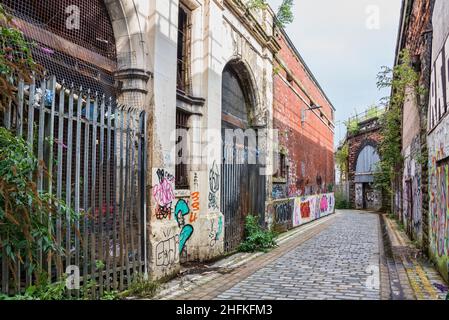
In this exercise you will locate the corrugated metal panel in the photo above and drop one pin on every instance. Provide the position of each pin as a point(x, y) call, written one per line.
point(366, 164)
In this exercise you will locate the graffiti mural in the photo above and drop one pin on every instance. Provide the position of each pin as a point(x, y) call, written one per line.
point(181, 211)
point(283, 211)
point(305, 210)
point(439, 196)
point(324, 204)
point(214, 186)
point(310, 208)
point(164, 194)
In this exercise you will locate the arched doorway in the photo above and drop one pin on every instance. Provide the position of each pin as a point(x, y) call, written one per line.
point(243, 187)
point(367, 197)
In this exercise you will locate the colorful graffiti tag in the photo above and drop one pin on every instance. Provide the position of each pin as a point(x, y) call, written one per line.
point(181, 211)
point(312, 207)
point(305, 210)
point(195, 206)
point(164, 194)
point(439, 211)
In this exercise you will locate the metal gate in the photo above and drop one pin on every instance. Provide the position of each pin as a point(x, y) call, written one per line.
point(243, 185)
point(243, 190)
point(94, 153)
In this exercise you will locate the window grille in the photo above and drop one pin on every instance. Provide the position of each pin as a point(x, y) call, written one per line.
point(181, 171)
point(83, 54)
point(184, 50)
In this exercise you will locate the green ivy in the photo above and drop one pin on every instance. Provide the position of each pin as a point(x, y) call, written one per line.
point(27, 215)
point(256, 238)
point(403, 81)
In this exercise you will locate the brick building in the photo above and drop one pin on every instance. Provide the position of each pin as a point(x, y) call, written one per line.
point(421, 199)
point(363, 156)
point(304, 117)
point(411, 196)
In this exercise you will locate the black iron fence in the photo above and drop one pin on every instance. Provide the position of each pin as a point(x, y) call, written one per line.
point(91, 152)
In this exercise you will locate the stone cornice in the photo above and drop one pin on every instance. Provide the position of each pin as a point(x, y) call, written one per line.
point(252, 25)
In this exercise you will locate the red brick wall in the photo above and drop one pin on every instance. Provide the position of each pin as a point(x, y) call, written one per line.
point(309, 144)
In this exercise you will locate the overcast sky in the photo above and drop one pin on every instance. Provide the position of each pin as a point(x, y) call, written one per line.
point(345, 43)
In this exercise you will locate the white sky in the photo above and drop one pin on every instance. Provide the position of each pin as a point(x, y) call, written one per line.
point(343, 53)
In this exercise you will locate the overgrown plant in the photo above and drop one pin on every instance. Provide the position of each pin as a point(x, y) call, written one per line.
point(342, 159)
point(284, 15)
point(141, 288)
point(352, 126)
point(16, 60)
point(27, 215)
point(256, 238)
point(403, 81)
point(341, 202)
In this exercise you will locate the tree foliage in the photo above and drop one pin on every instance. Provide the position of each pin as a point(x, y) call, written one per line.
point(342, 158)
point(16, 60)
point(284, 15)
point(27, 215)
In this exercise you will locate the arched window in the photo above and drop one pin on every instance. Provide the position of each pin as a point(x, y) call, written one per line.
point(234, 103)
point(74, 39)
point(366, 164)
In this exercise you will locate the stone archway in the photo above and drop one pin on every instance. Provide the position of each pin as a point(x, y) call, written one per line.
point(132, 75)
point(243, 188)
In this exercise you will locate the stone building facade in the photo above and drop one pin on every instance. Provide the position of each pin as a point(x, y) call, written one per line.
point(198, 69)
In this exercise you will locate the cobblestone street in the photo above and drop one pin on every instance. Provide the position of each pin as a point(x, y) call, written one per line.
point(352, 255)
point(342, 262)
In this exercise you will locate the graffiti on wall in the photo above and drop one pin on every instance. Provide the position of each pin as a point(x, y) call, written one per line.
point(214, 186)
point(412, 200)
point(167, 251)
point(313, 207)
point(181, 212)
point(164, 194)
point(195, 206)
point(283, 211)
point(439, 210)
point(305, 210)
point(216, 230)
point(373, 198)
point(439, 196)
point(359, 195)
point(279, 191)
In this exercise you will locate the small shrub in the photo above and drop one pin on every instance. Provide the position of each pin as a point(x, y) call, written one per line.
point(257, 239)
point(42, 291)
point(341, 202)
point(141, 288)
